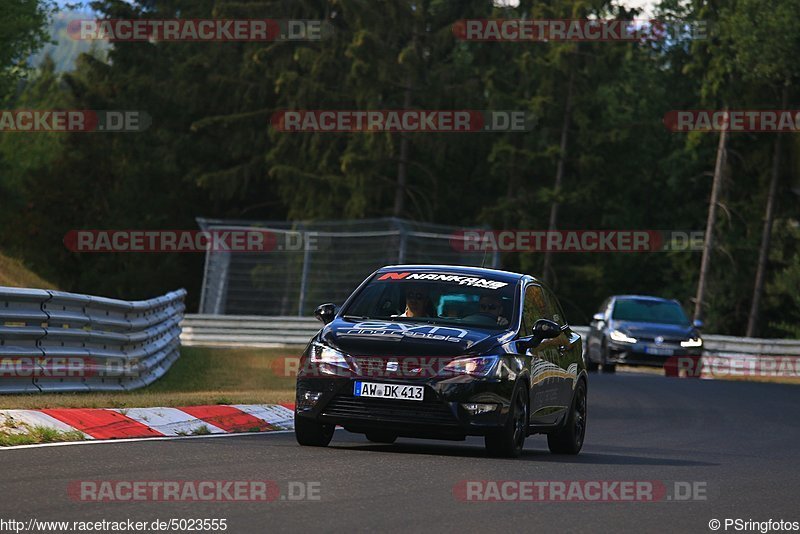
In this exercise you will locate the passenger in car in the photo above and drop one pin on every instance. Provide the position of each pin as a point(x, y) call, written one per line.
point(493, 307)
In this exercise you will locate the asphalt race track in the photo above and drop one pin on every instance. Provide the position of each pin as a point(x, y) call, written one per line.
point(740, 441)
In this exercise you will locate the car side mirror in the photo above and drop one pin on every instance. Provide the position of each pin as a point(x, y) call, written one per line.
point(598, 317)
point(325, 312)
point(697, 323)
point(545, 329)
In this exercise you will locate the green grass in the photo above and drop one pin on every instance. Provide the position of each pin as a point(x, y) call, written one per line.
point(22, 434)
point(200, 376)
point(14, 274)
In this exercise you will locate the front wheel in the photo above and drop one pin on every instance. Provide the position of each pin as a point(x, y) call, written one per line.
point(311, 433)
point(569, 438)
point(509, 441)
point(590, 365)
point(608, 367)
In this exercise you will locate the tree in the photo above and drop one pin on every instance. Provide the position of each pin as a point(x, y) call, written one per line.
point(23, 29)
point(765, 44)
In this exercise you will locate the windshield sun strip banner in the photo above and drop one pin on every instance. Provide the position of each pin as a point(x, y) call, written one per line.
point(471, 281)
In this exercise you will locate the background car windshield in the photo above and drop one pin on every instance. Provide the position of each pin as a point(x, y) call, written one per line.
point(649, 311)
point(442, 302)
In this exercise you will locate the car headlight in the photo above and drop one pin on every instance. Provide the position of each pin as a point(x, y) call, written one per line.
point(694, 342)
point(478, 366)
point(323, 355)
point(616, 335)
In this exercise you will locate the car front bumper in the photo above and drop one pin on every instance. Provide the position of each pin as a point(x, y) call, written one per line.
point(440, 414)
point(649, 354)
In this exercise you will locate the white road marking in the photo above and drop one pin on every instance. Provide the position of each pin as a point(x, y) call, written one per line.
point(136, 440)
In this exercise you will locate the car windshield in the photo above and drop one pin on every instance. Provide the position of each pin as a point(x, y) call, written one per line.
point(649, 311)
point(436, 298)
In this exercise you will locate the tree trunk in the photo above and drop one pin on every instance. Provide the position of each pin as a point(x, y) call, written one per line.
point(766, 233)
point(548, 254)
point(708, 245)
point(402, 164)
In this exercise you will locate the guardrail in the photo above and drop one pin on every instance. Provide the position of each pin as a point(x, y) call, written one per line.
point(57, 341)
point(247, 330)
point(276, 332)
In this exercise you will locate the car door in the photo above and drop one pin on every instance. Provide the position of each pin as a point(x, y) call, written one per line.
point(545, 404)
point(569, 348)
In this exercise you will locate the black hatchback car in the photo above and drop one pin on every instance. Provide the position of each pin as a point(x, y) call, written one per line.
point(641, 330)
point(445, 352)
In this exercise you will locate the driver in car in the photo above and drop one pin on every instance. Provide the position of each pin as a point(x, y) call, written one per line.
point(491, 306)
point(418, 303)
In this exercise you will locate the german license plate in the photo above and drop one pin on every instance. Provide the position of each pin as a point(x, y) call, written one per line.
point(388, 391)
point(656, 351)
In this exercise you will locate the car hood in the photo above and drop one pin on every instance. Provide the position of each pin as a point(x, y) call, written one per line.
point(637, 329)
point(381, 337)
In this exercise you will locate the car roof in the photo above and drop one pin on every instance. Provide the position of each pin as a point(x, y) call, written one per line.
point(495, 274)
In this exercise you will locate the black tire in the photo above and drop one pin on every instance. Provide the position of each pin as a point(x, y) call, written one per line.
point(509, 441)
point(590, 365)
point(608, 367)
point(378, 436)
point(311, 433)
point(569, 438)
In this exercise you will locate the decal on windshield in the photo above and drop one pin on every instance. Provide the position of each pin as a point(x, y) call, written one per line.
point(471, 281)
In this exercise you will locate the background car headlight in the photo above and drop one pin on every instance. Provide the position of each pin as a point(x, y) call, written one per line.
point(479, 366)
point(694, 342)
point(616, 335)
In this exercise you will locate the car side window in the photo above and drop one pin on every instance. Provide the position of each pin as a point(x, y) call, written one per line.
point(534, 307)
point(554, 311)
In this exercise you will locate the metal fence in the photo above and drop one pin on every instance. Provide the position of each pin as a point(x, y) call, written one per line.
point(57, 341)
point(316, 262)
point(256, 331)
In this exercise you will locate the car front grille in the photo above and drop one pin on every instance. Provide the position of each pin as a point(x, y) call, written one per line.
point(665, 341)
point(389, 410)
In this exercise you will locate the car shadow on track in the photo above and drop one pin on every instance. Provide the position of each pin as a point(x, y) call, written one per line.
point(467, 451)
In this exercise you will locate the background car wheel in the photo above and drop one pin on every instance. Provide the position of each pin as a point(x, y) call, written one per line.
point(590, 365)
point(381, 437)
point(509, 441)
point(569, 439)
point(608, 367)
point(311, 433)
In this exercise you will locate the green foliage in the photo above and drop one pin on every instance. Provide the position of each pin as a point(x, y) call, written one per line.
point(22, 32)
point(211, 152)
